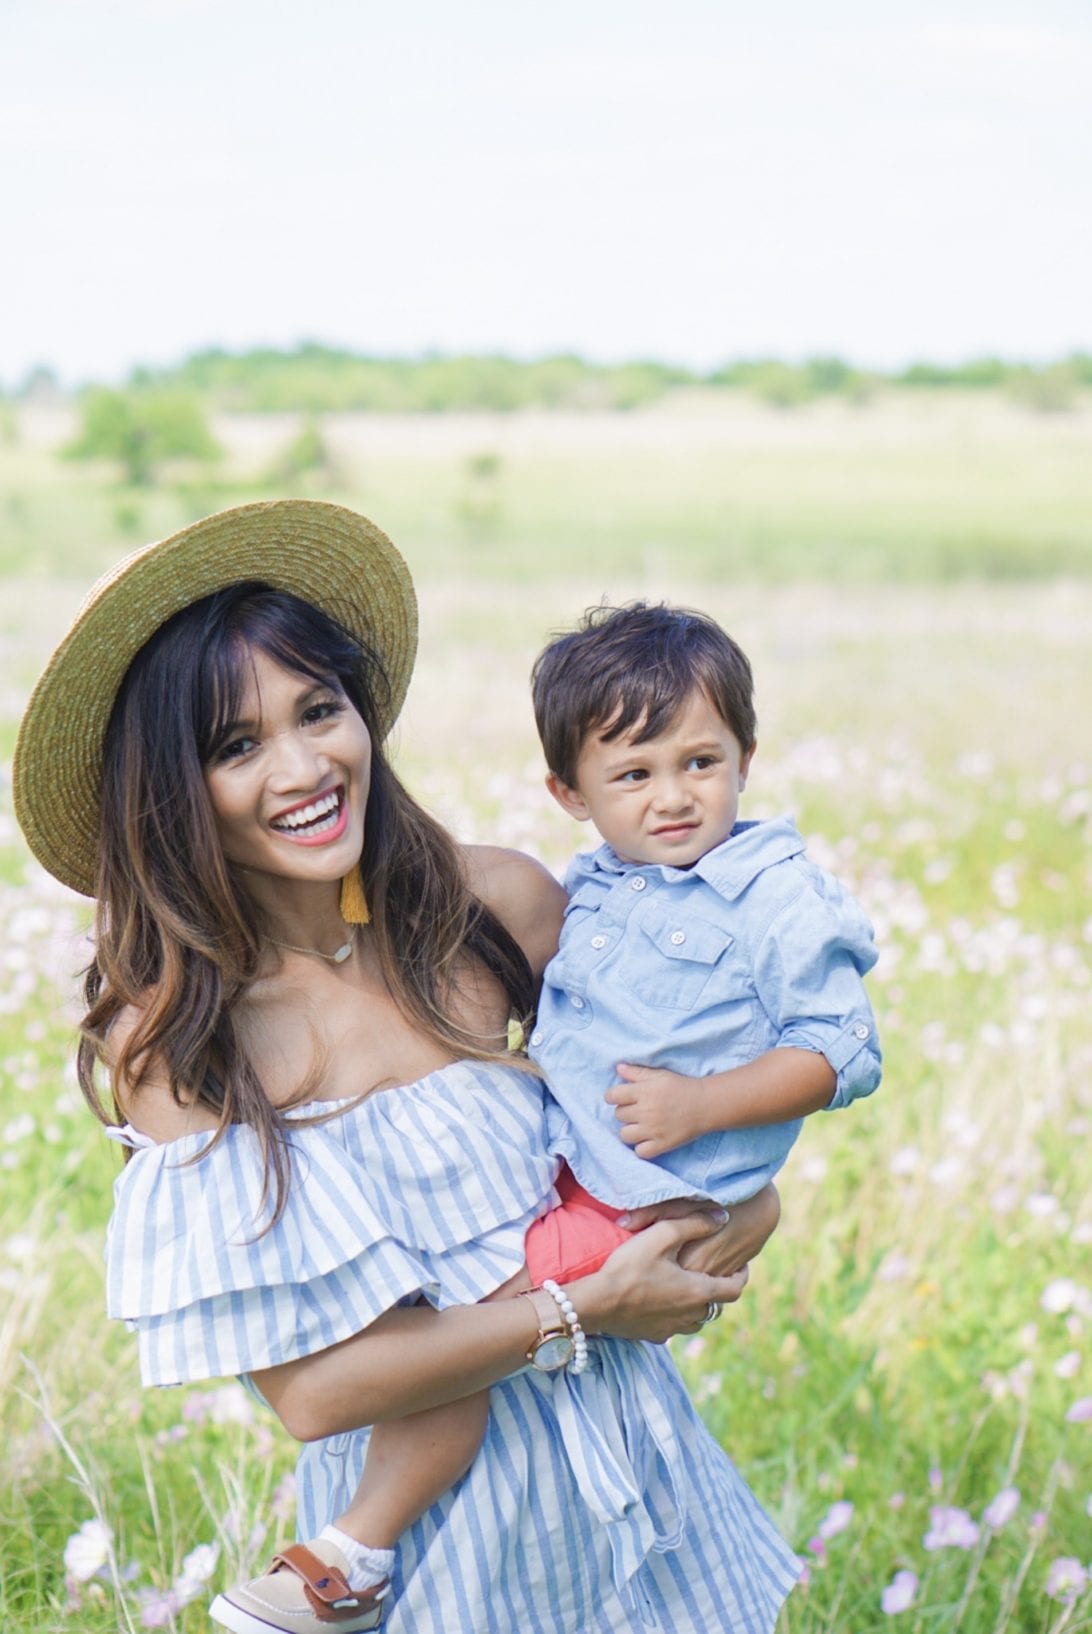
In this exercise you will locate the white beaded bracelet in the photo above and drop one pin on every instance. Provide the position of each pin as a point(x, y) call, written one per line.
point(572, 1322)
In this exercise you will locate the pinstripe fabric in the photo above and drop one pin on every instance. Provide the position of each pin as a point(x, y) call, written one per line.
point(598, 1503)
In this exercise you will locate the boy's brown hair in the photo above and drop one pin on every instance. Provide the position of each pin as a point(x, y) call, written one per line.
point(635, 666)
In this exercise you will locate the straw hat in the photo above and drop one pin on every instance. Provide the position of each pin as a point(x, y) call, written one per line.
point(322, 553)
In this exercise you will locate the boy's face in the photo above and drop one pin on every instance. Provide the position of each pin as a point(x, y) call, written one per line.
point(669, 800)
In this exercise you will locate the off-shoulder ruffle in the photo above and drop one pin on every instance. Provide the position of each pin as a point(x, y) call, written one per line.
point(427, 1190)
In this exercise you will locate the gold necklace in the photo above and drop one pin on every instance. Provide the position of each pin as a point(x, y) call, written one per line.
point(337, 958)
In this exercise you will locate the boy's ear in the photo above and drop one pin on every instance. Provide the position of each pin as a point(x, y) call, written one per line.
point(570, 800)
point(745, 765)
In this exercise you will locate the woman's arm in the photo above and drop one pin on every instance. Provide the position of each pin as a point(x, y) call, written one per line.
point(414, 1357)
point(525, 897)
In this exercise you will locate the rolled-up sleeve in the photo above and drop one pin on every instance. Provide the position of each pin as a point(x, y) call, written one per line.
point(809, 966)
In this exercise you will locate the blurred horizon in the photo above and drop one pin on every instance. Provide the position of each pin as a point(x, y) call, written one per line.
point(880, 185)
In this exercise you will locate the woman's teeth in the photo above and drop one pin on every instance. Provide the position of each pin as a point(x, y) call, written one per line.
point(317, 817)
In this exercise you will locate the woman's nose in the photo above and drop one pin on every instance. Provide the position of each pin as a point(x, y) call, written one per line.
point(297, 764)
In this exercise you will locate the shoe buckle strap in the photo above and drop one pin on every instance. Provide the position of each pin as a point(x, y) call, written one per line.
point(326, 1587)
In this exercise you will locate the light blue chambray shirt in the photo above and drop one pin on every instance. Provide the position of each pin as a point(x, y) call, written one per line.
point(700, 969)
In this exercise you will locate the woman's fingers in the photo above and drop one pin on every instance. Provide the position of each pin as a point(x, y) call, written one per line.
point(673, 1209)
point(746, 1233)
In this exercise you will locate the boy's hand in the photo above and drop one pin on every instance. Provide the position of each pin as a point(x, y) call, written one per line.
point(658, 1110)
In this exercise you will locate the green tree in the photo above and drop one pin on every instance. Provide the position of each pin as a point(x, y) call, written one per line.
point(141, 429)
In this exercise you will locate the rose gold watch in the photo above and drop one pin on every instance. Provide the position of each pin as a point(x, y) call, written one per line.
point(553, 1349)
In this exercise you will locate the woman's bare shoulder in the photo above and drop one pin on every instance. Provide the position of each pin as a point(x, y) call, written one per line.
point(524, 895)
point(148, 1103)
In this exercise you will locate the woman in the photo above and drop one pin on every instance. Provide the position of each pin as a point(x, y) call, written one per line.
point(301, 992)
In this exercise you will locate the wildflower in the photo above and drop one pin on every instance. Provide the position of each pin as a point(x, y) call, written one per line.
point(197, 1567)
point(694, 1347)
point(896, 1500)
point(899, 1593)
point(836, 1519)
point(1069, 1365)
point(936, 1479)
point(283, 1500)
point(88, 1550)
point(1059, 1296)
point(1080, 1412)
point(949, 1528)
point(1066, 1579)
point(818, 1548)
point(998, 1513)
point(158, 1607)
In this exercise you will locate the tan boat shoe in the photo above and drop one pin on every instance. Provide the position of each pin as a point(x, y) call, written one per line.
point(305, 1591)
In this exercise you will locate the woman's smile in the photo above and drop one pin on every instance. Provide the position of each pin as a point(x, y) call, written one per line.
point(315, 822)
point(289, 783)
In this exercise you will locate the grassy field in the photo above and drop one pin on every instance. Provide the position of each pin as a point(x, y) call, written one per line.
point(906, 1381)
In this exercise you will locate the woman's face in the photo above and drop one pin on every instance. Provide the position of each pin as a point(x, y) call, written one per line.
point(290, 784)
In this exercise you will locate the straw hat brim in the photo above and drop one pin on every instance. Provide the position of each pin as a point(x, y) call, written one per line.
point(323, 553)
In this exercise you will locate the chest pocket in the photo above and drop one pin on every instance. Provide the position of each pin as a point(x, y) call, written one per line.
point(674, 960)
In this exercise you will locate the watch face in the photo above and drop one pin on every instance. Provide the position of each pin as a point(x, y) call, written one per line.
point(553, 1353)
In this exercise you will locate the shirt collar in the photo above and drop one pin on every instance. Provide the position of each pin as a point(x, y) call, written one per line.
point(729, 867)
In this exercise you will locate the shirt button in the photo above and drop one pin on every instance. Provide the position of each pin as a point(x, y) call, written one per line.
point(577, 1002)
point(860, 1031)
point(537, 1036)
point(598, 941)
point(638, 882)
point(678, 937)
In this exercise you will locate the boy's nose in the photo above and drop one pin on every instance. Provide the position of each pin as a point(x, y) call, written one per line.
point(672, 794)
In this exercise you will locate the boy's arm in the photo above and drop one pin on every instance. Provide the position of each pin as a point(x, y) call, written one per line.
point(659, 1110)
point(807, 970)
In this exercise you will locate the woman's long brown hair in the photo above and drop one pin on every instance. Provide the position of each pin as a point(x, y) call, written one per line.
point(176, 938)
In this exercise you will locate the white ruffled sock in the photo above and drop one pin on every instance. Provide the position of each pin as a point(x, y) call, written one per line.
point(366, 1566)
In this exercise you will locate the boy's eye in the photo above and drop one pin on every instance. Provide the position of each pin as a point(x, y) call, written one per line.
point(698, 763)
point(637, 775)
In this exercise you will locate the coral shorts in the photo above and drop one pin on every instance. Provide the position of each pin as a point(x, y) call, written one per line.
point(576, 1237)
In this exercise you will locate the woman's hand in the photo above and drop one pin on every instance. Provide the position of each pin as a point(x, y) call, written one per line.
point(642, 1292)
point(730, 1248)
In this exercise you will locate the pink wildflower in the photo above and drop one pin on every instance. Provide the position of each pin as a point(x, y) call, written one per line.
point(158, 1607)
point(949, 1528)
point(818, 1548)
point(1000, 1512)
point(936, 1479)
point(1066, 1579)
point(899, 1593)
point(836, 1519)
point(1080, 1412)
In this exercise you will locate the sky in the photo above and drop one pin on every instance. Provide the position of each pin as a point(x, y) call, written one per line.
point(694, 181)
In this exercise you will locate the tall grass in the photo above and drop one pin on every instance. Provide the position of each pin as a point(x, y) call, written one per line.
point(915, 1340)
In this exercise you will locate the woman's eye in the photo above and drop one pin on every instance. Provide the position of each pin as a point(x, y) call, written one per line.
point(322, 711)
point(234, 749)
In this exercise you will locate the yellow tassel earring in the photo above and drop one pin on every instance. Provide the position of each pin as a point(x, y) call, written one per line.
point(353, 904)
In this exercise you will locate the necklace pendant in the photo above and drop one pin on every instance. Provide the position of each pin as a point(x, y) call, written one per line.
point(342, 953)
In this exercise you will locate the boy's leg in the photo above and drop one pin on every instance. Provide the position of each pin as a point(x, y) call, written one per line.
point(411, 1462)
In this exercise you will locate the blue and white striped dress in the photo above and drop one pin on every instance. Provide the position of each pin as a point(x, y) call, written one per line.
point(597, 1504)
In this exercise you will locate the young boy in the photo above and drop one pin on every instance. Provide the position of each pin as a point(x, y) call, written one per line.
point(706, 996)
point(707, 993)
